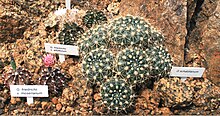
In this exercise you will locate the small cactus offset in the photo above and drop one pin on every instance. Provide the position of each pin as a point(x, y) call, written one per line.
point(16, 76)
point(97, 66)
point(94, 17)
point(53, 77)
point(117, 95)
point(92, 39)
point(70, 33)
point(133, 65)
point(160, 61)
point(129, 30)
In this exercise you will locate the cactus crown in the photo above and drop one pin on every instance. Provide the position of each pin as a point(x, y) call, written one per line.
point(117, 95)
point(97, 66)
point(94, 17)
point(70, 33)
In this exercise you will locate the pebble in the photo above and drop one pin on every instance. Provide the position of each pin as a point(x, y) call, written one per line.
point(1, 111)
point(54, 100)
point(58, 107)
point(69, 109)
point(43, 105)
point(13, 101)
point(97, 97)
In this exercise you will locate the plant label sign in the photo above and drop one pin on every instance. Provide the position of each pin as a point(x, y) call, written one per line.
point(62, 50)
point(185, 72)
point(29, 91)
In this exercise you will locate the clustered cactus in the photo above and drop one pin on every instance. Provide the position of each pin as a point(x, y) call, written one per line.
point(69, 34)
point(138, 55)
point(52, 76)
point(132, 64)
point(94, 17)
point(117, 95)
point(16, 76)
point(98, 65)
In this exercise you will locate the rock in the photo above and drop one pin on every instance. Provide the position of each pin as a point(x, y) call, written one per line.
point(58, 107)
point(203, 37)
point(1, 111)
point(18, 99)
point(97, 97)
point(165, 111)
point(44, 105)
point(54, 100)
point(13, 100)
point(168, 16)
point(69, 109)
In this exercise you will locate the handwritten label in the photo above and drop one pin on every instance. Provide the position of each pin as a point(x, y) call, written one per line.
point(62, 49)
point(187, 71)
point(29, 90)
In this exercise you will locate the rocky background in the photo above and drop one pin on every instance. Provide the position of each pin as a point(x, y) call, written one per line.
point(191, 29)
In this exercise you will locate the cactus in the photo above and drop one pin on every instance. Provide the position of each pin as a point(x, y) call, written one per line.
point(133, 64)
point(160, 61)
point(93, 39)
point(70, 33)
point(16, 76)
point(174, 93)
point(117, 95)
point(53, 77)
point(129, 30)
point(94, 17)
point(97, 66)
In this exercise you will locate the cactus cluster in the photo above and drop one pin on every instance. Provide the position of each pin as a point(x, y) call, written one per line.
point(94, 17)
point(69, 34)
point(117, 95)
point(93, 39)
point(132, 64)
point(97, 65)
point(16, 76)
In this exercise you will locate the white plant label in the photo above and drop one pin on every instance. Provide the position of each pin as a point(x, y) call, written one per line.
point(29, 91)
point(68, 4)
point(187, 71)
point(62, 49)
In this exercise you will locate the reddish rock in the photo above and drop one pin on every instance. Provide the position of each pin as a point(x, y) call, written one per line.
point(203, 37)
point(168, 16)
point(58, 107)
point(54, 100)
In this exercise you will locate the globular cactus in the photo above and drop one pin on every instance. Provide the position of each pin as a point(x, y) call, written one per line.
point(94, 17)
point(160, 61)
point(117, 95)
point(53, 77)
point(16, 76)
point(97, 66)
point(93, 39)
point(70, 33)
point(133, 65)
point(129, 30)
point(174, 92)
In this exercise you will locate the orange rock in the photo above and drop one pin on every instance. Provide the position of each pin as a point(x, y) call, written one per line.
point(58, 107)
point(54, 100)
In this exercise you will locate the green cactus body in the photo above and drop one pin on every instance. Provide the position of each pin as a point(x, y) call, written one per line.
point(98, 65)
point(117, 95)
point(70, 33)
point(93, 39)
point(129, 30)
point(94, 17)
point(160, 63)
point(132, 64)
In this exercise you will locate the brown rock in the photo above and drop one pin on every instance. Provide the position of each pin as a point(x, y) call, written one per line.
point(58, 107)
point(203, 37)
point(44, 105)
point(165, 111)
point(97, 97)
point(54, 100)
point(167, 16)
point(13, 100)
point(69, 109)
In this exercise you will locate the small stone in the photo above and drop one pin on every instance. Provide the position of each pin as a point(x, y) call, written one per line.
point(18, 99)
point(54, 113)
point(13, 100)
point(54, 100)
point(58, 107)
point(1, 111)
point(69, 109)
point(165, 111)
point(15, 111)
point(97, 97)
point(44, 105)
